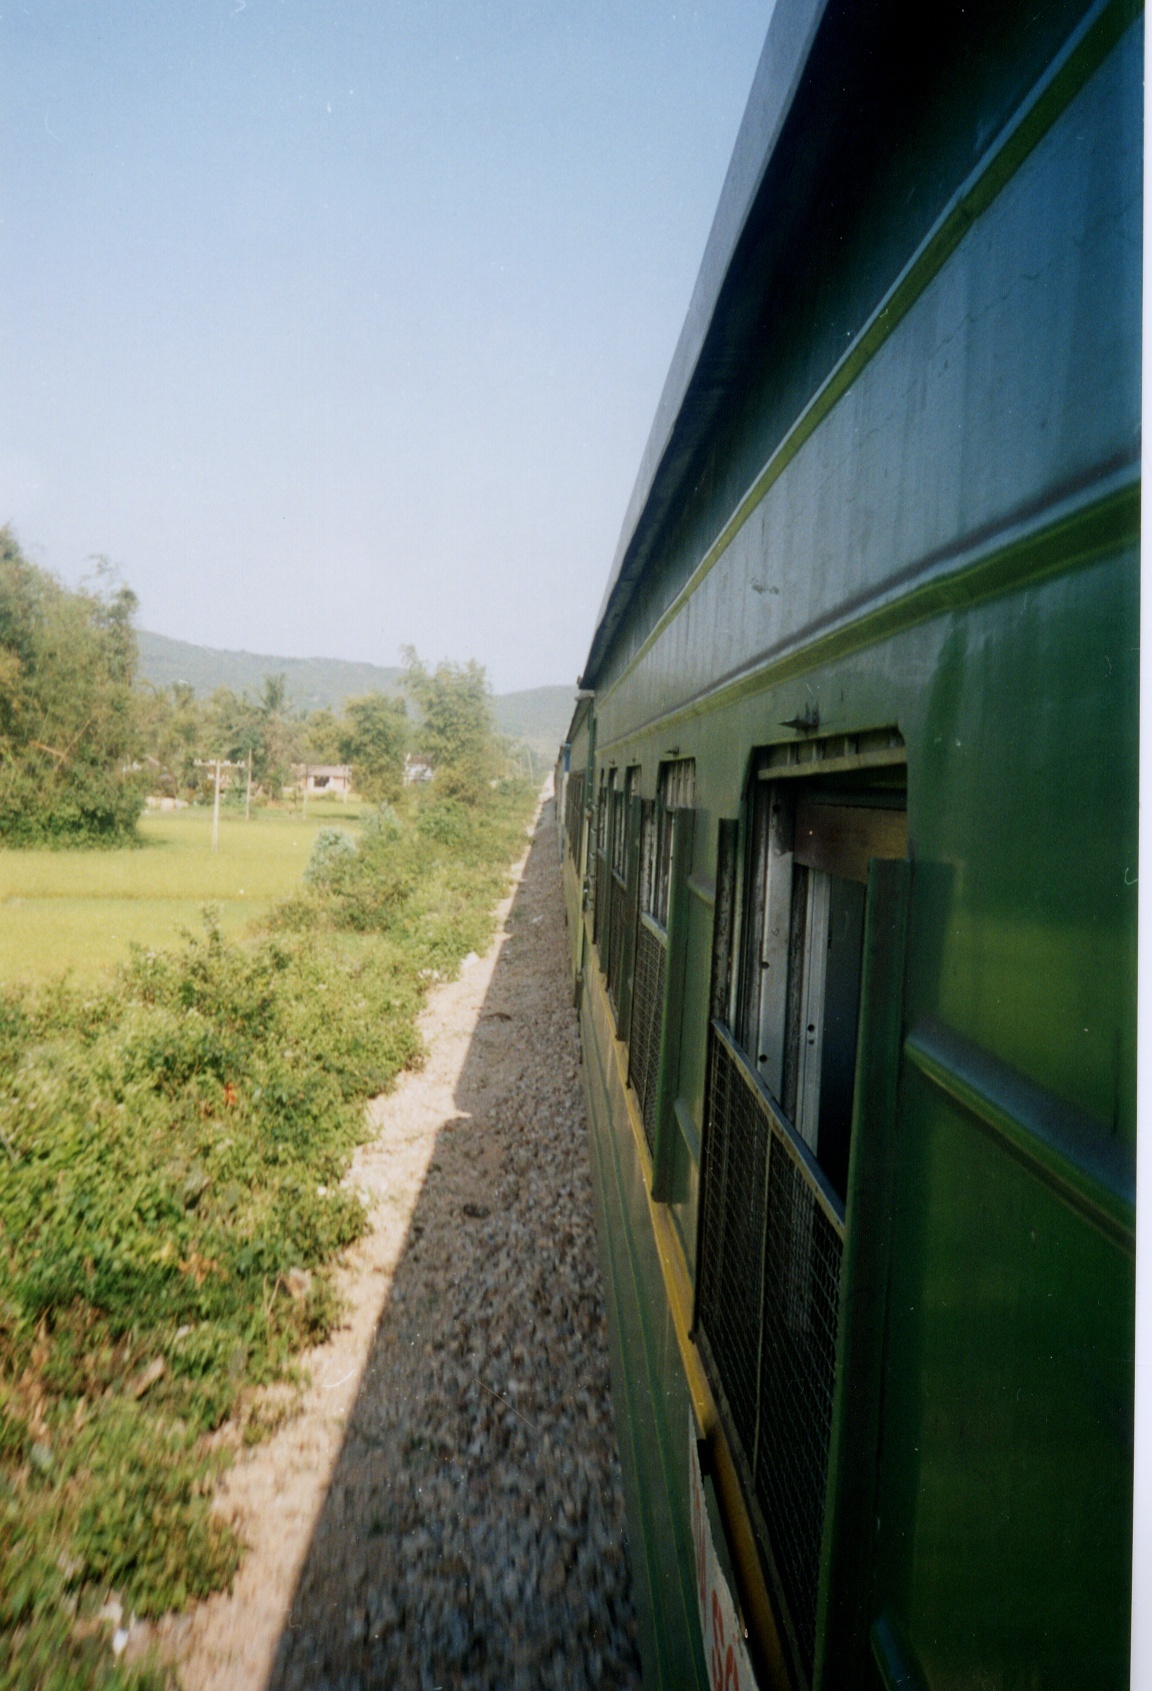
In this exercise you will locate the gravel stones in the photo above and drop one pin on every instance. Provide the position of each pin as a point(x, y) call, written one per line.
point(473, 1535)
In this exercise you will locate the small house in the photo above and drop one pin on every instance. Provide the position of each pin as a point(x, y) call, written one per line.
point(325, 780)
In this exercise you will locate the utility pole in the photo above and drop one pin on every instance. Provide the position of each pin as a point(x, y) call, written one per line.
point(248, 794)
point(216, 764)
point(304, 804)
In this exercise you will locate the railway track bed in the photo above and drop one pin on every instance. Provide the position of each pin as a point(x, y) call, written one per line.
point(445, 1508)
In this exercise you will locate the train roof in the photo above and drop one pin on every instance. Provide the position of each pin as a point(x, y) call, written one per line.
point(701, 364)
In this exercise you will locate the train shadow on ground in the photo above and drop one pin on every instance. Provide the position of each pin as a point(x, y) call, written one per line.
point(473, 1532)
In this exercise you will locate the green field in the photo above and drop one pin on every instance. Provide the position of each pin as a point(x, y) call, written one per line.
point(81, 910)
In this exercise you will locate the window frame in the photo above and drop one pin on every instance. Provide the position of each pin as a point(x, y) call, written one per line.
point(784, 1276)
point(802, 833)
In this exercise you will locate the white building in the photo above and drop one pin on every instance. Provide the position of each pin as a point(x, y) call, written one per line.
point(325, 780)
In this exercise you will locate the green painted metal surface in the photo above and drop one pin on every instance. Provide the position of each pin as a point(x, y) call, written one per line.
point(652, 1401)
point(940, 538)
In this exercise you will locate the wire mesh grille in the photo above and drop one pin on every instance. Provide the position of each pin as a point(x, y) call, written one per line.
point(769, 1309)
point(601, 894)
point(732, 1237)
point(647, 1012)
point(590, 862)
point(626, 963)
point(573, 812)
point(616, 918)
point(797, 1381)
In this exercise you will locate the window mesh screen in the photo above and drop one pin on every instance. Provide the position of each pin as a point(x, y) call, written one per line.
point(601, 902)
point(616, 919)
point(626, 957)
point(574, 813)
point(769, 1308)
point(677, 791)
point(591, 869)
point(647, 1012)
point(598, 885)
point(797, 1379)
point(732, 1245)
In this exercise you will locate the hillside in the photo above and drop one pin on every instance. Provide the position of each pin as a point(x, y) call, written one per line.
point(537, 716)
point(312, 682)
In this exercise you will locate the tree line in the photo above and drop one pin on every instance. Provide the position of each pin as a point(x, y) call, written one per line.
point(83, 741)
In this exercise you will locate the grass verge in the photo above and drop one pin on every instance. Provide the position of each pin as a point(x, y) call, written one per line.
point(172, 1146)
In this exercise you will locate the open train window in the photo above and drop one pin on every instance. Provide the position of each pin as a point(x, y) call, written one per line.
point(622, 905)
point(788, 961)
point(574, 814)
point(597, 845)
point(798, 1003)
point(622, 787)
point(607, 779)
point(675, 790)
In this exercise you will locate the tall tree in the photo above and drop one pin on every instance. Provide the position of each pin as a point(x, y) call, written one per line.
point(323, 737)
point(69, 712)
point(280, 735)
point(374, 738)
point(457, 732)
point(174, 733)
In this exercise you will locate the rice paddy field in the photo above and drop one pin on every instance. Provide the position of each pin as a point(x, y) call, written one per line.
point(80, 911)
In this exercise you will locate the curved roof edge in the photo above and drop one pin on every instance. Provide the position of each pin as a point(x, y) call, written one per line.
point(791, 31)
point(583, 706)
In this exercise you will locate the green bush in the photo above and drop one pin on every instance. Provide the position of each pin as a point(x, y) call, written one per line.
point(173, 1147)
point(330, 845)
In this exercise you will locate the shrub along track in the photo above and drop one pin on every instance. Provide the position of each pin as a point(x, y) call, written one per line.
point(445, 1510)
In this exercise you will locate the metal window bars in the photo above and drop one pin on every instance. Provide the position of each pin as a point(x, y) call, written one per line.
point(617, 912)
point(622, 908)
point(597, 869)
point(771, 1244)
point(574, 813)
point(676, 791)
point(605, 817)
point(647, 1015)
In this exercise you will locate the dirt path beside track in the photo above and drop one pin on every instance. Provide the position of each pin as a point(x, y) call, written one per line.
point(445, 1510)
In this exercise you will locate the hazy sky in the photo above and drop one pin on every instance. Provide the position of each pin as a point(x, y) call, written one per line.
point(338, 324)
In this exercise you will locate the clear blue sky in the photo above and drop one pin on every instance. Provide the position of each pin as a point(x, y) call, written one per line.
point(338, 324)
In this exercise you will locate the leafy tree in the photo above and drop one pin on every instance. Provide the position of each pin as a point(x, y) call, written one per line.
point(69, 711)
point(233, 727)
point(457, 732)
point(114, 608)
point(280, 735)
point(374, 738)
point(323, 737)
point(173, 729)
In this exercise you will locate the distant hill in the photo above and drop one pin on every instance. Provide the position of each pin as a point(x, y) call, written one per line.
point(538, 716)
point(312, 682)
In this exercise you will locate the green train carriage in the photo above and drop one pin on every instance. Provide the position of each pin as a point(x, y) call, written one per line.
point(849, 819)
